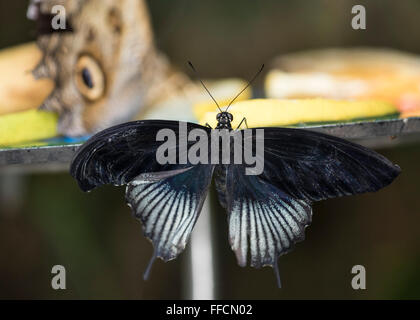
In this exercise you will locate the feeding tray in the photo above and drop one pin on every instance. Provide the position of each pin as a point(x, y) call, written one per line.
point(57, 155)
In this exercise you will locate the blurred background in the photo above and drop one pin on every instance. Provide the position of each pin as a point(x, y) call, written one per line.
point(46, 220)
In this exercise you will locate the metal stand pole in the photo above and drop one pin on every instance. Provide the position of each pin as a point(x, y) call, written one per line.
point(201, 258)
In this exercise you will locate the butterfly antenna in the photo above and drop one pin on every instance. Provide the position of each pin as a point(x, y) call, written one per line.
point(202, 83)
point(249, 83)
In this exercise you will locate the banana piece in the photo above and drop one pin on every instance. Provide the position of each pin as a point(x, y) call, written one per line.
point(19, 90)
point(284, 112)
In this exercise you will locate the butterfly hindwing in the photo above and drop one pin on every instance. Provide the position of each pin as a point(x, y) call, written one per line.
point(168, 204)
point(263, 220)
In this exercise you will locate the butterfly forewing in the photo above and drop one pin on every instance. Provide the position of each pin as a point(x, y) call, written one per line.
point(118, 154)
point(313, 166)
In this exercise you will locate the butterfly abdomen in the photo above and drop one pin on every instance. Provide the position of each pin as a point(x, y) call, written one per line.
point(220, 183)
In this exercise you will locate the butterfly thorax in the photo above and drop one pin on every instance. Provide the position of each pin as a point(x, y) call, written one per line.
point(224, 120)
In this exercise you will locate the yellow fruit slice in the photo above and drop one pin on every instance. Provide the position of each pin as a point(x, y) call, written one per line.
point(19, 90)
point(352, 73)
point(25, 126)
point(284, 112)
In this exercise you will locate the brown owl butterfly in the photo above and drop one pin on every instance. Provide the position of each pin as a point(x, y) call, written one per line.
point(104, 64)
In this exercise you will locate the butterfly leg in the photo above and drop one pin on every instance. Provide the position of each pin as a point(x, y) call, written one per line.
point(208, 126)
point(246, 123)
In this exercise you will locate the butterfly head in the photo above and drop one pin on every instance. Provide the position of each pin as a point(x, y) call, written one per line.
point(224, 120)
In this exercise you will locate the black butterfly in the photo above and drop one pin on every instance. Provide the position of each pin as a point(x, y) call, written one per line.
point(267, 214)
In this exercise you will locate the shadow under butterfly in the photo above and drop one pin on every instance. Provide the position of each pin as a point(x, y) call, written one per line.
point(267, 213)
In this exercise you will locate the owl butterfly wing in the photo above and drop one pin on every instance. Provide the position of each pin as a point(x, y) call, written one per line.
point(269, 212)
point(119, 154)
point(104, 68)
